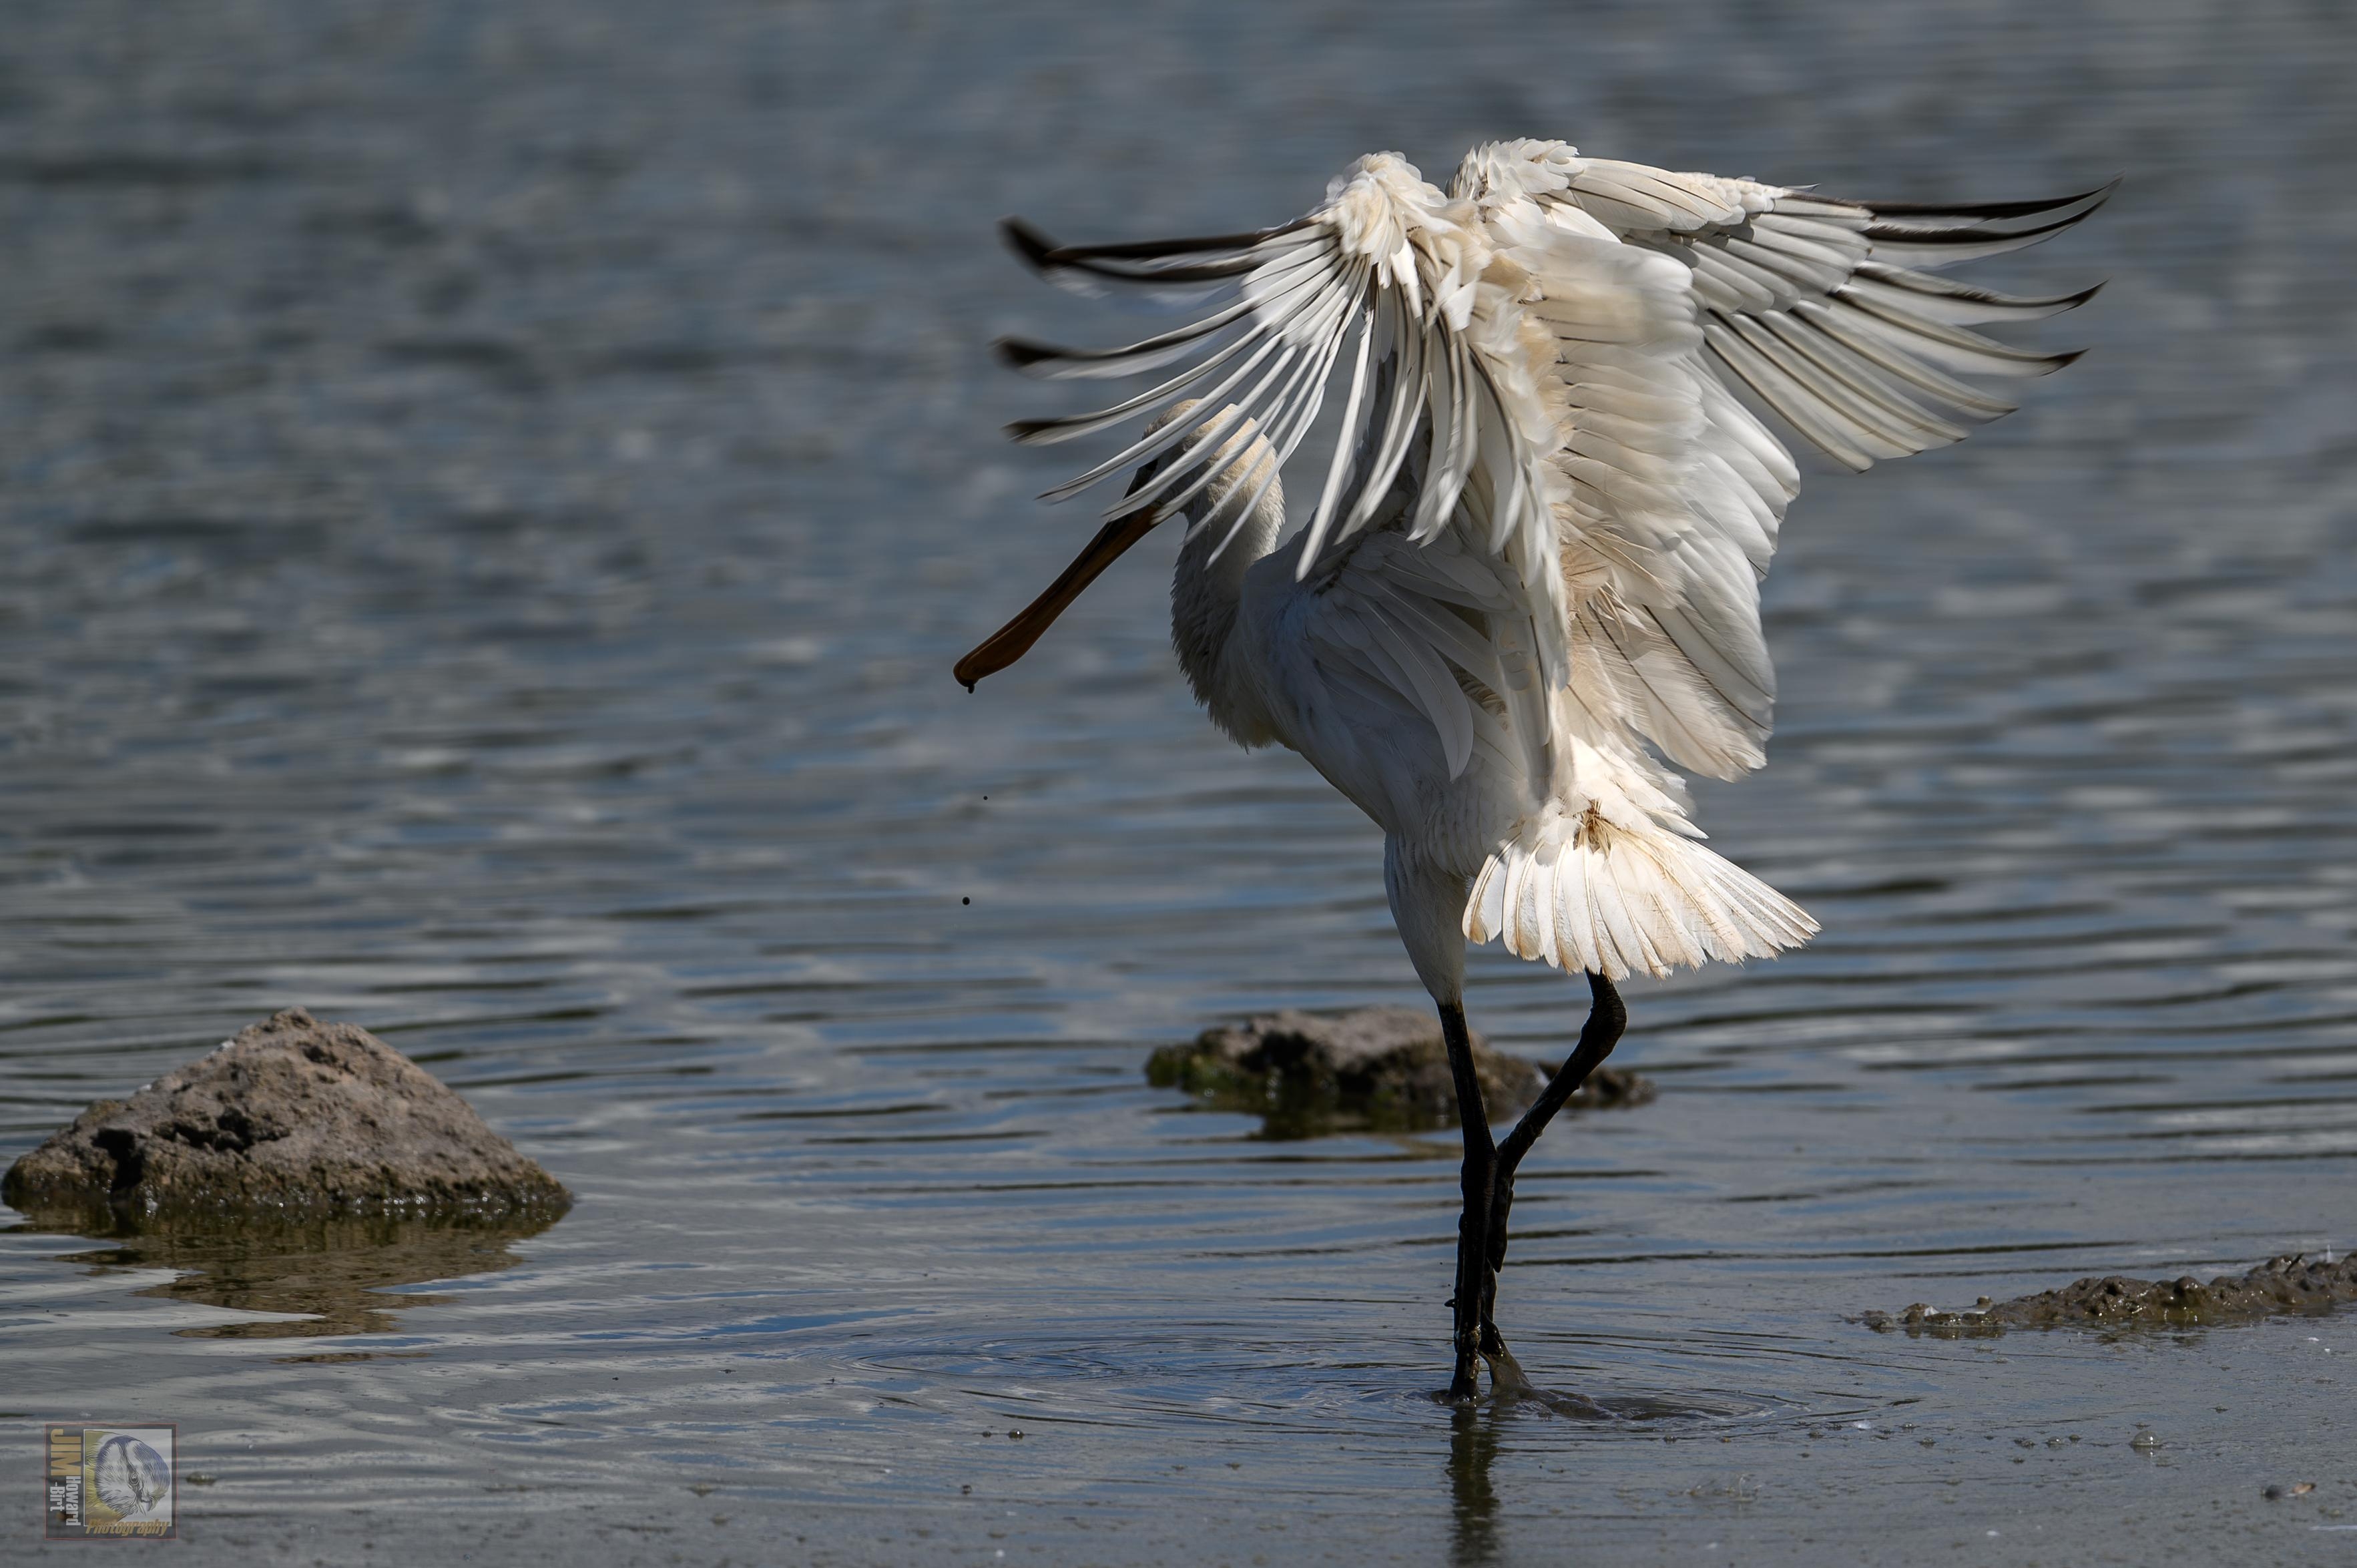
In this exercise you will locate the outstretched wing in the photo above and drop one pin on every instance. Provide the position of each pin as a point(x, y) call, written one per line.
point(1441, 368)
point(1665, 291)
point(1823, 306)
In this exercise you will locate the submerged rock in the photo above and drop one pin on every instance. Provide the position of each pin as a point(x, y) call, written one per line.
point(1377, 1067)
point(292, 1116)
point(2296, 1283)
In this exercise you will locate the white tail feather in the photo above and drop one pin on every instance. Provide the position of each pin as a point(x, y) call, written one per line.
point(1583, 893)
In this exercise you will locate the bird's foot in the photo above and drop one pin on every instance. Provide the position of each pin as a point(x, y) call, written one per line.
point(1509, 1385)
point(1465, 1388)
point(1465, 1385)
point(1507, 1380)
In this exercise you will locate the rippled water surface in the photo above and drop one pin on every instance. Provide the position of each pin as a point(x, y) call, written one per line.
point(492, 496)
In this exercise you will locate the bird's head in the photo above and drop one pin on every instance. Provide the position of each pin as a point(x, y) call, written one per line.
point(1243, 463)
point(1248, 470)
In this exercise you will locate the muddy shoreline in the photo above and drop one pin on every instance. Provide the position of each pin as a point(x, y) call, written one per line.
point(2295, 1283)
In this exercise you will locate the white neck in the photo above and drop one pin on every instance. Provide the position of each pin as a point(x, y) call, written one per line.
point(1205, 595)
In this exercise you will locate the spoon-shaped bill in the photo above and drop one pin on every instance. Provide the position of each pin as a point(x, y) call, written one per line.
point(1013, 640)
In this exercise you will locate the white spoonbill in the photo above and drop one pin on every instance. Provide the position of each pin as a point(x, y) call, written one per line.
point(1530, 580)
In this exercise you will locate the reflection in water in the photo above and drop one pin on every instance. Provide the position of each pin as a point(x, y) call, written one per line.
point(1472, 1445)
point(331, 1271)
point(1473, 1432)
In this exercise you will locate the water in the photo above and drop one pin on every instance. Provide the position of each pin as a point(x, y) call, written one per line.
point(493, 497)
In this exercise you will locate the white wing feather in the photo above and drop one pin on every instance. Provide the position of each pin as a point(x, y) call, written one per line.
point(1544, 519)
point(1442, 383)
point(1666, 290)
point(1818, 306)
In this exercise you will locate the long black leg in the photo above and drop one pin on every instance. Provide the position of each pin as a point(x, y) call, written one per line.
point(1473, 1228)
point(1606, 1018)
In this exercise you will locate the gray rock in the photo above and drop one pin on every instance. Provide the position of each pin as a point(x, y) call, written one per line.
point(293, 1115)
point(1380, 1068)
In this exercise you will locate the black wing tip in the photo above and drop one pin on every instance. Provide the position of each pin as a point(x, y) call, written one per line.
point(1972, 231)
point(1914, 282)
point(1037, 250)
point(1028, 431)
point(2089, 201)
point(1148, 261)
point(1021, 353)
point(1987, 211)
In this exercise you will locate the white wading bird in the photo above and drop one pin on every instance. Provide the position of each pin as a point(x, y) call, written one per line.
point(1533, 569)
